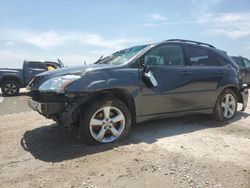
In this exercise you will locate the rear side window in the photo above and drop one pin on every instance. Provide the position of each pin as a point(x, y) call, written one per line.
point(37, 65)
point(199, 57)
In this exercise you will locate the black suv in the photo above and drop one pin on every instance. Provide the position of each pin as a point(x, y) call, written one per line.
point(244, 65)
point(171, 78)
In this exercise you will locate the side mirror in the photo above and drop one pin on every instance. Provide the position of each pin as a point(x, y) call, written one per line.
point(150, 79)
point(148, 75)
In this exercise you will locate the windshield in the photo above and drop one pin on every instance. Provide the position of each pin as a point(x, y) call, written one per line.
point(122, 56)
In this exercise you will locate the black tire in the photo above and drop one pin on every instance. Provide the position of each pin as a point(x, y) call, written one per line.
point(218, 111)
point(10, 88)
point(84, 127)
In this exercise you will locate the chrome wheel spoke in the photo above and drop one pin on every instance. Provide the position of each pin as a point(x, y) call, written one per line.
point(227, 99)
point(225, 112)
point(95, 121)
point(101, 134)
point(117, 118)
point(106, 112)
point(224, 104)
point(115, 132)
point(231, 102)
point(230, 111)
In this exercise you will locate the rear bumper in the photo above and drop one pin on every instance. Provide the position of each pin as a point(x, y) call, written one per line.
point(46, 109)
point(244, 95)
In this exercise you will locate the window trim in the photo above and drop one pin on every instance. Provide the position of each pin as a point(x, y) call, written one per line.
point(165, 44)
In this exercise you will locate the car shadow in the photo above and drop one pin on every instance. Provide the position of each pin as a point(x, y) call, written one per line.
point(51, 144)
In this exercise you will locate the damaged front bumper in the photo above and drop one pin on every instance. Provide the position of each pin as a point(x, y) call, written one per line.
point(46, 109)
point(60, 108)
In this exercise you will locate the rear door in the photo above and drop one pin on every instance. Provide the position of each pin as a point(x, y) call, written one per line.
point(207, 73)
point(33, 68)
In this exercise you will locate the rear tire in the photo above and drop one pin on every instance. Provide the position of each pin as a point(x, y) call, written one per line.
point(226, 106)
point(10, 88)
point(105, 121)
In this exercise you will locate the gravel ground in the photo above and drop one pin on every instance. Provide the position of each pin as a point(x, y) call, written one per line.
point(192, 151)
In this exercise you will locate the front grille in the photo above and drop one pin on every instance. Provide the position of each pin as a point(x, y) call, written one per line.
point(47, 97)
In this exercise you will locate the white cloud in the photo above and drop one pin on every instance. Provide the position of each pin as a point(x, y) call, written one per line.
point(45, 39)
point(50, 39)
point(232, 25)
point(157, 17)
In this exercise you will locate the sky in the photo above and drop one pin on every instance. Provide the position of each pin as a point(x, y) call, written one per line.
point(77, 30)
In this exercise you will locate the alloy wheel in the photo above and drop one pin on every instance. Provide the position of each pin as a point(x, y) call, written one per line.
point(228, 106)
point(10, 88)
point(107, 124)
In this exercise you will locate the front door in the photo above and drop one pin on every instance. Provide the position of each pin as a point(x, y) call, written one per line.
point(172, 94)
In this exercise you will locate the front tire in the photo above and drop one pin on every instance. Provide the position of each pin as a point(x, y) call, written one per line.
point(226, 106)
point(105, 122)
point(10, 88)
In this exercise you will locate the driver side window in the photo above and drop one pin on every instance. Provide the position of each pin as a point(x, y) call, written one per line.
point(165, 55)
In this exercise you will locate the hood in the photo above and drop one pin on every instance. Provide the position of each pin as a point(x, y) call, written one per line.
point(78, 70)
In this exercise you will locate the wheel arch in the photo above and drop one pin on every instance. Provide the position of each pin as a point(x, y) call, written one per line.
point(119, 94)
point(10, 78)
point(236, 90)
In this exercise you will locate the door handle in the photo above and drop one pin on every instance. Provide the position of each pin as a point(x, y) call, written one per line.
point(186, 73)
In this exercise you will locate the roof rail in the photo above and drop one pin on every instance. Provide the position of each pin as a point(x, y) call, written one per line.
point(191, 41)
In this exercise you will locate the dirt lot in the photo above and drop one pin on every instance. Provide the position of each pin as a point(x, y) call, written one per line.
point(179, 152)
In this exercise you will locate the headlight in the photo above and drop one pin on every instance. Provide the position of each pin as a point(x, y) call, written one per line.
point(57, 84)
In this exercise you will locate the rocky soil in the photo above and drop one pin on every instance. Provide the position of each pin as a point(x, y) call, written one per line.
point(183, 152)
